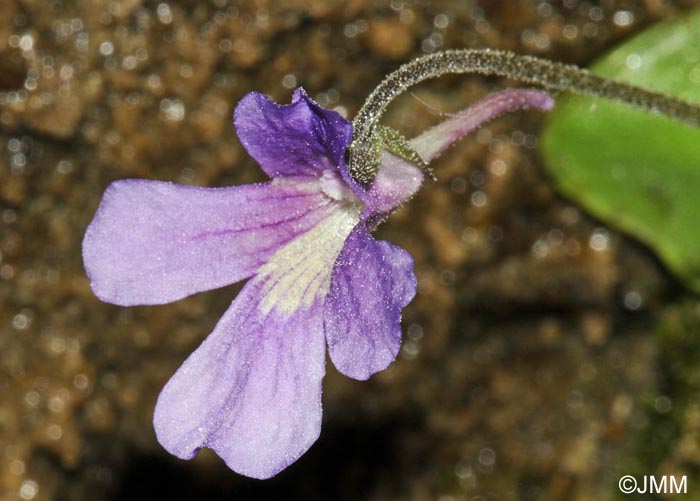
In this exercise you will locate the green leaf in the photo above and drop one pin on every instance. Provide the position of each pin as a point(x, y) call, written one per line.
point(637, 171)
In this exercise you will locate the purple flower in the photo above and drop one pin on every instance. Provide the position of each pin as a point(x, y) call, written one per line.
point(252, 390)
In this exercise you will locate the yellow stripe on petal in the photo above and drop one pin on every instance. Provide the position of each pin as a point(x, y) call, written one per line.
point(300, 271)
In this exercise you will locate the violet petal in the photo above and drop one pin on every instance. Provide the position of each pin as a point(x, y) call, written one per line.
point(371, 282)
point(251, 391)
point(431, 143)
point(154, 242)
point(298, 139)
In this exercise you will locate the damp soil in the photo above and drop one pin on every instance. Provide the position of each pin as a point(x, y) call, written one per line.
point(544, 356)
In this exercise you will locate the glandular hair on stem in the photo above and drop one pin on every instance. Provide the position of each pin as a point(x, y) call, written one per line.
point(553, 76)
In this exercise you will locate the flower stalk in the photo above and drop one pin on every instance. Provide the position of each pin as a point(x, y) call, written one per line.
point(363, 161)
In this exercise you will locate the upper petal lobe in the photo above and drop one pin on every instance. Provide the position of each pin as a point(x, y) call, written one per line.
point(371, 282)
point(154, 242)
point(296, 139)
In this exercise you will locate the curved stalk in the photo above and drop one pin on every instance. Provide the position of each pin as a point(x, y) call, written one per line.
point(548, 74)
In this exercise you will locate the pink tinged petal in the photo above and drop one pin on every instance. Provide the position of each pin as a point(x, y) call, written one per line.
point(154, 242)
point(298, 139)
point(251, 391)
point(372, 281)
point(431, 143)
point(396, 182)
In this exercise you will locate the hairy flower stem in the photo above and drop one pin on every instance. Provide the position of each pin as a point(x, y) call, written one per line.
point(363, 153)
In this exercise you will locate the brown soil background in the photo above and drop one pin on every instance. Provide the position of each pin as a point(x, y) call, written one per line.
point(545, 356)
